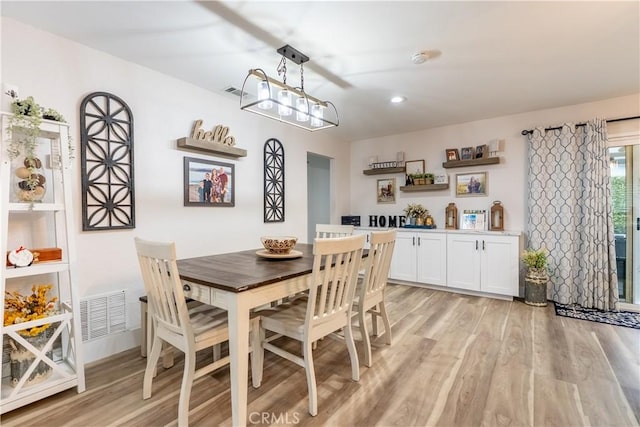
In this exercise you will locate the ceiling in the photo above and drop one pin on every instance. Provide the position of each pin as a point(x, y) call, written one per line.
point(491, 58)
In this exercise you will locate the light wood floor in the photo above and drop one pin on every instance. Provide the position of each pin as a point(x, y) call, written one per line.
point(455, 361)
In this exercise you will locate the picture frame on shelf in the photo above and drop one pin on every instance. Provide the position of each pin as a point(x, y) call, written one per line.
point(208, 183)
point(473, 220)
point(471, 184)
point(482, 151)
point(386, 191)
point(413, 167)
point(452, 154)
point(466, 153)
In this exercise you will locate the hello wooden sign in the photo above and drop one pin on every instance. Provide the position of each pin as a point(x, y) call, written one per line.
point(218, 135)
point(216, 140)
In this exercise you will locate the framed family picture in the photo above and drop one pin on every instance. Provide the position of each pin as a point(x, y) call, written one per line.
point(452, 154)
point(208, 183)
point(386, 190)
point(466, 153)
point(413, 167)
point(471, 184)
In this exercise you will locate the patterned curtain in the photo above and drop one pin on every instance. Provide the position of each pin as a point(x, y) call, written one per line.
point(570, 213)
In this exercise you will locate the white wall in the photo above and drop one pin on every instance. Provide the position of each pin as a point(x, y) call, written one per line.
point(58, 73)
point(507, 181)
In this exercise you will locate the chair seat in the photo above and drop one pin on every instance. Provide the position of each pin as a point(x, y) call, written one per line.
point(286, 319)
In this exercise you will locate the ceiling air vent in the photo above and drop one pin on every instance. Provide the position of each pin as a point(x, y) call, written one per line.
point(234, 91)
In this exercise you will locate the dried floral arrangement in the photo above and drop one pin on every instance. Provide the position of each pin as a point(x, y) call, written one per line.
point(20, 308)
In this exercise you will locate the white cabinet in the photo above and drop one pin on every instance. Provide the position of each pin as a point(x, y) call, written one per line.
point(483, 262)
point(41, 224)
point(420, 257)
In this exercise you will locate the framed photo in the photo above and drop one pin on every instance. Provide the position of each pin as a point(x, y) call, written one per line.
point(386, 190)
point(466, 153)
point(452, 154)
point(474, 220)
point(471, 184)
point(208, 183)
point(482, 151)
point(414, 166)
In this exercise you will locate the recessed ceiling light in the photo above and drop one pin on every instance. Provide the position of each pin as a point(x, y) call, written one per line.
point(398, 99)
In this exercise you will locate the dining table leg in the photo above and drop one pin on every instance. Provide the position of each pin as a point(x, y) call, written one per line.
point(238, 312)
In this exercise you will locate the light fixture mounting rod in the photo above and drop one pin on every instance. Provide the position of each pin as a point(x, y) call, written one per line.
point(293, 54)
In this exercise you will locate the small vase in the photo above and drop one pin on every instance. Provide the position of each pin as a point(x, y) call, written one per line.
point(30, 182)
point(412, 221)
point(419, 221)
point(21, 359)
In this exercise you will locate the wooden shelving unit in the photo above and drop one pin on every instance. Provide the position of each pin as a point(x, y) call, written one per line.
point(48, 223)
point(383, 171)
point(471, 162)
point(427, 187)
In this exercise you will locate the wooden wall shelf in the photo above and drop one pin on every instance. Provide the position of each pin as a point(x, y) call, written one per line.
point(211, 147)
point(383, 171)
point(471, 162)
point(427, 187)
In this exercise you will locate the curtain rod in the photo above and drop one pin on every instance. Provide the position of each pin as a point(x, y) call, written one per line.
point(530, 131)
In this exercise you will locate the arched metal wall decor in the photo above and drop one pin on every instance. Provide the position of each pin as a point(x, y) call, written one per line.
point(273, 181)
point(106, 138)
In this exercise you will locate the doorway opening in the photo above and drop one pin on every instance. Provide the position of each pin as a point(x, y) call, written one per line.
point(318, 193)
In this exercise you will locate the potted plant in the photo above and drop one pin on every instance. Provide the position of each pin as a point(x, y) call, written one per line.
point(418, 178)
point(428, 178)
point(536, 278)
point(416, 213)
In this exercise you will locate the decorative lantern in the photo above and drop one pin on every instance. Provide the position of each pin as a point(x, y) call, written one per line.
point(451, 216)
point(497, 217)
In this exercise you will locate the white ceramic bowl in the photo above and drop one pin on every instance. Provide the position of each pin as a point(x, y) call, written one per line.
point(278, 244)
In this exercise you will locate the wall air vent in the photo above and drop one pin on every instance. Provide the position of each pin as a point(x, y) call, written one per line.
point(103, 315)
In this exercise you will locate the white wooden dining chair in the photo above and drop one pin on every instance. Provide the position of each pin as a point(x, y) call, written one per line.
point(371, 289)
point(185, 330)
point(327, 309)
point(324, 231)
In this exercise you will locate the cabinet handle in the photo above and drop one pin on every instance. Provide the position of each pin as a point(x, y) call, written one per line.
point(476, 245)
point(483, 245)
point(186, 287)
point(418, 241)
point(414, 240)
point(367, 238)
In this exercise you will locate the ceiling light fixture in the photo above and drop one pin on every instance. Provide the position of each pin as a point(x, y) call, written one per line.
point(398, 99)
point(279, 101)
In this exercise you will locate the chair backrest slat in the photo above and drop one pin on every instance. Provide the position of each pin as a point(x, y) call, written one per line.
point(334, 278)
point(324, 231)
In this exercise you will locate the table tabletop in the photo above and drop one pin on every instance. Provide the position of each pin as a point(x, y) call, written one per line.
point(240, 271)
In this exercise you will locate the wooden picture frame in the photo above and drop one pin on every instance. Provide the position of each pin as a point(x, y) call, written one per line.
point(219, 192)
point(482, 151)
point(466, 153)
point(471, 184)
point(412, 167)
point(386, 190)
point(452, 154)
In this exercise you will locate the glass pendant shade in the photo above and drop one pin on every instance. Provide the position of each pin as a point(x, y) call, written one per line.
point(284, 97)
point(302, 107)
point(316, 116)
point(264, 93)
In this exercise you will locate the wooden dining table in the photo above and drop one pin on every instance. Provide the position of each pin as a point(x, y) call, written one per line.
point(239, 282)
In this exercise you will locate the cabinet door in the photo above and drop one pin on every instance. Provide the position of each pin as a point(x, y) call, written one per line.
point(403, 263)
point(463, 261)
point(432, 258)
point(499, 271)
